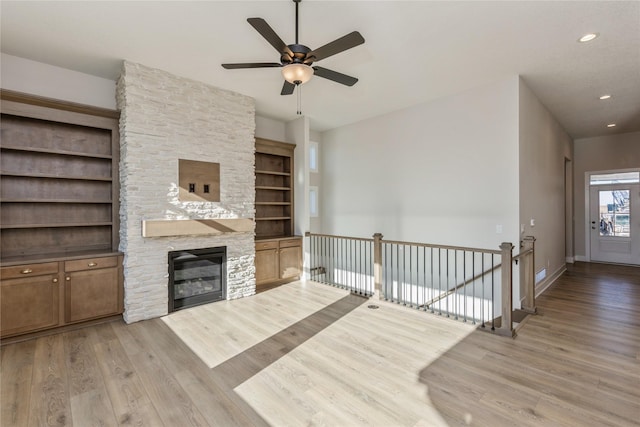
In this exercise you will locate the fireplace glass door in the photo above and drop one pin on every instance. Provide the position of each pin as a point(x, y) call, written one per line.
point(196, 276)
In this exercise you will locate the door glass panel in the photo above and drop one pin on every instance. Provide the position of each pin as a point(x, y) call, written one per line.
point(615, 210)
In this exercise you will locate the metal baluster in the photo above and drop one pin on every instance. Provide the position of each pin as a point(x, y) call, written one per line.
point(439, 281)
point(432, 285)
point(482, 306)
point(473, 287)
point(447, 291)
point(424, 277)
point(456, 305)
point(493, 315)
point(404, 274)
point(415, 285)
point(464, 285)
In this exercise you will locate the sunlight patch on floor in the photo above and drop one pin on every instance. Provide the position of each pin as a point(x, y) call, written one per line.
point(362, 370)
point(221, 330)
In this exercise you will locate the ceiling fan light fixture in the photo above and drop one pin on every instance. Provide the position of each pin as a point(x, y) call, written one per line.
point(297, 73)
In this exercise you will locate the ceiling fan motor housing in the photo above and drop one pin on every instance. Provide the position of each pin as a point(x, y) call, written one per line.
point(300, 52)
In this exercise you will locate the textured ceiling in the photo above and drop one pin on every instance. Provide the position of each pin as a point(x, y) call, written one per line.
point(415, 51)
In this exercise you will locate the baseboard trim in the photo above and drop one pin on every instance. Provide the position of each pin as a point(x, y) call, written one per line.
point(544, 285)
point(581, 258)
point(569, 259)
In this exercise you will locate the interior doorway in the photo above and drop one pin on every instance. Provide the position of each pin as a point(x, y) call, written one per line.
point(614, 217)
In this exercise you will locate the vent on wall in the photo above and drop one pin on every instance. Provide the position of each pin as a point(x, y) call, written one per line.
point(540, 275)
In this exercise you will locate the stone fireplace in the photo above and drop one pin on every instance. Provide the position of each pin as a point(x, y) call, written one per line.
point(166, 118)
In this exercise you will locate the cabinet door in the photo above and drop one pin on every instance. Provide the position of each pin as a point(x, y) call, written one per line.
point(28, 304)
point(290, 262)
point(266, 266)
point(91, 294)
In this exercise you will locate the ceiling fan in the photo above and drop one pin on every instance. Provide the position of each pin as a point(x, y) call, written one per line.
point(296, 59)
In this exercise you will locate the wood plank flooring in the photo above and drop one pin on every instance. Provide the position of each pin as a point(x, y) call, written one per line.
point(309, 354)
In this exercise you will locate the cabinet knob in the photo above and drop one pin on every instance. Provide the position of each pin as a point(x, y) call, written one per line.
point(92, 264)
point(67, 278)
point(55, 280)
point(26, 271)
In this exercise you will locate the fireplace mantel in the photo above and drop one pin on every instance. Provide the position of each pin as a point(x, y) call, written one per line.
point(195, 227)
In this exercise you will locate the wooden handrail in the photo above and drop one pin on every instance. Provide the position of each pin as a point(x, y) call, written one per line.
point(432, 245)
point(308, 234)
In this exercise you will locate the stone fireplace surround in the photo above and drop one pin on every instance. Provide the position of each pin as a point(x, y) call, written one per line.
point(163, 118)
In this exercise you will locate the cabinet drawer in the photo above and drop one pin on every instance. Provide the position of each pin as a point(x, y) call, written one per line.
point(260, 246)
point(91, 263)
point(28, 270)
point(290, 243)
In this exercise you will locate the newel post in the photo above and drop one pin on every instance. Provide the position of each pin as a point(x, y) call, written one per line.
point(377, 264)
point(528, 268)
point(506, 325)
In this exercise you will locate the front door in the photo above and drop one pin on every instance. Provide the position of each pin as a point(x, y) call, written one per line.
point(614, 221)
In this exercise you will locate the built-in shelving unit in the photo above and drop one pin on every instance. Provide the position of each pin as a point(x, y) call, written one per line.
point(57, 190)
point(59, 215)
point(274, 189)
point(278, 251)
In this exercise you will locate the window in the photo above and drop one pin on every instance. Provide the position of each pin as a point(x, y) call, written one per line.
point(313, 157)
point(615, 178)
point(313, 201)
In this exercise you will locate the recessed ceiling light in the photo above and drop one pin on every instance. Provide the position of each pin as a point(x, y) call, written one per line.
point(605, 97)
point(611, 125)
point(588, 37)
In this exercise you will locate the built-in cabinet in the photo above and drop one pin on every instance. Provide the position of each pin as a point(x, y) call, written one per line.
point(278, 260)
point(59, 214)
point(278, 251)
point(39, 296)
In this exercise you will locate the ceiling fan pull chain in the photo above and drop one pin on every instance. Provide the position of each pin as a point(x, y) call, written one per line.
point(299, 87)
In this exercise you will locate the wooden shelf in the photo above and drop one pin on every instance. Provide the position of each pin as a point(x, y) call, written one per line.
point(55, 225)
point(274, 218)
point(84, 201)
point(263, 172)
point(260, 187)
point(273, 203)
point(43, 175)
point(57, 152)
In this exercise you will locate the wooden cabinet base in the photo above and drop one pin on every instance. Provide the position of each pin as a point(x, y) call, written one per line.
point(58, 292)
point(278, 261)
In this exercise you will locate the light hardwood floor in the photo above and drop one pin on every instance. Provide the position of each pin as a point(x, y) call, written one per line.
point(309, 354)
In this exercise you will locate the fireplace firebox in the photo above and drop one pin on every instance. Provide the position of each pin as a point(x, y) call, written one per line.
point(197, 276)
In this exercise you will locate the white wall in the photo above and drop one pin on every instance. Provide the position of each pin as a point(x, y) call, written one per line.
point(443, 172)
point(602, 153)
point(270, 129)
point(36, 78)
point(544, 146)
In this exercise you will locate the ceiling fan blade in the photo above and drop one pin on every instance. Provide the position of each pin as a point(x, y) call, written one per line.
point(335, 76)
point(252, 65)
point(339, 45)
point(287, 88)
point(267, 32)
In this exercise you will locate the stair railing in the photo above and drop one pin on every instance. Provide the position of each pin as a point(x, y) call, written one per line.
point(469, 284)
